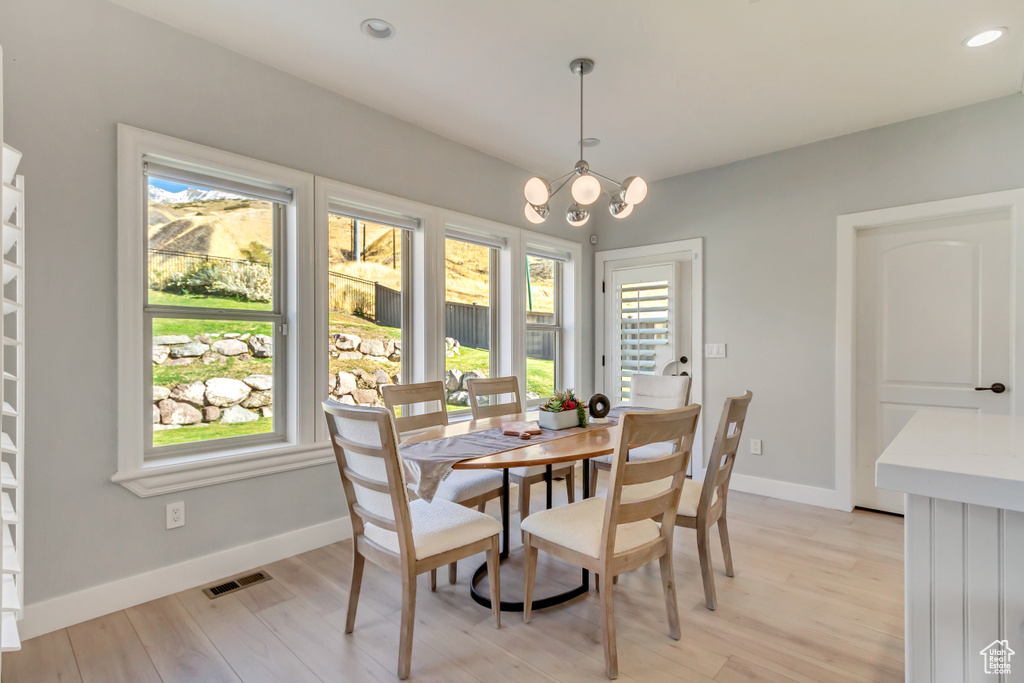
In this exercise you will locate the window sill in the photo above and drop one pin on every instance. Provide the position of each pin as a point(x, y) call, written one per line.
point(158, 477)
point(464, 415)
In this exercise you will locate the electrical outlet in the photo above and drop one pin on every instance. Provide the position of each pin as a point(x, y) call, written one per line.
point(755, 446)
point(714, 350)
point(175, 514)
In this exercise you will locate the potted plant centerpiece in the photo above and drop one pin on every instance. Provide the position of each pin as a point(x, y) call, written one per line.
point(563, 410)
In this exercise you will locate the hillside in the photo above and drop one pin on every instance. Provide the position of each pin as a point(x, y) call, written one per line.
point(214, 227)
point(227, 227)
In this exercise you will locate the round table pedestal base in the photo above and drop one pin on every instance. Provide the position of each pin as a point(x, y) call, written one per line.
point(538, 603)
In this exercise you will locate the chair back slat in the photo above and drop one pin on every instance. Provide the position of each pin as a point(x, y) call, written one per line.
point(723, 453)
point(405, 396)
point(493, 388)
point(355, 448)
point(648, 508)
point(372, 474)
point(679, 426)
point(370, 518)
point(653, 470)
point(366, 482)
point(408, 423)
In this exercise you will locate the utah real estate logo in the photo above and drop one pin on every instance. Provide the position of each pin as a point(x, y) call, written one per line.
point(997, 657)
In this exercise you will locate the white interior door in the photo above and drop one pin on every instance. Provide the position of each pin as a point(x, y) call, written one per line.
point(647, 313)
point(934, 324)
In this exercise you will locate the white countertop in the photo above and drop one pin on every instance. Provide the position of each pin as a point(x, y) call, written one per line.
point(964, 457)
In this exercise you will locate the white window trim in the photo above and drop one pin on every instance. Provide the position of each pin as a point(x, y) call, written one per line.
point(297, 448)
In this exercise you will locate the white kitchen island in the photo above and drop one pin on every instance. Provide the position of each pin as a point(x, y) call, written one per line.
point(963, 475)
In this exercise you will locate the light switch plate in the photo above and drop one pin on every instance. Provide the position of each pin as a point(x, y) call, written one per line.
point(714, 350)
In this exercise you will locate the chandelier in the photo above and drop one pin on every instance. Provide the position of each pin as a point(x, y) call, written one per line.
point(586, 188)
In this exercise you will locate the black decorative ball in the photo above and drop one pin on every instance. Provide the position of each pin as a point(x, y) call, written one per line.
point(599, 405)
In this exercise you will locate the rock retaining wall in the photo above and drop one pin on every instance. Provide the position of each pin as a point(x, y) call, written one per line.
point(220, 399)
point(180, 349)
point(232, 401)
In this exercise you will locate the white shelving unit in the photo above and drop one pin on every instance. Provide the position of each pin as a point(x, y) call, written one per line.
point(12, 391)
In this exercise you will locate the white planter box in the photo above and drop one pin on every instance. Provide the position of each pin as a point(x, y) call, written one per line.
point(562, 420)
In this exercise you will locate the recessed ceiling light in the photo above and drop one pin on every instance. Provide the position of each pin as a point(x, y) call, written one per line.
point(377, 28)
point(591, 142)
point(985, 37)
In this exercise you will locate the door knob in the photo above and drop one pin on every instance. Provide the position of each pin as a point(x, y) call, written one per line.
point(996, 388)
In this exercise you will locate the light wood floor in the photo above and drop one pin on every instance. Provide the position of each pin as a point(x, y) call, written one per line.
point(817, 596)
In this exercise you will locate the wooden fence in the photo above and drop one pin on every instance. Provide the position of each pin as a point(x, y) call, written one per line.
point(540, 344)
point(470, 325)
point(387, 306)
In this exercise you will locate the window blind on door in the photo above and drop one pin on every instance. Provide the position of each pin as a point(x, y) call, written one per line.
point(643, 327)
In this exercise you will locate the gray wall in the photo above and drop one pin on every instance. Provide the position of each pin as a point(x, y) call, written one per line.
point(769, 229)
point(73, 69)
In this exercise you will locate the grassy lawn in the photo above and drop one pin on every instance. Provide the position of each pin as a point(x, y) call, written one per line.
point(232, 368)
point(540, 377)
point(214, 430)
point(194, 326)
point(470, 359)
point(199, 301)
point(540, 374)
point(343, 323)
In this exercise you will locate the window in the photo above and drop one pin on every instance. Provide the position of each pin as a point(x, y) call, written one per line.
point(367, 281)
point(241, 295)
point(469, 304)
point(211, 383)
point(211, 307)
point(543, 327)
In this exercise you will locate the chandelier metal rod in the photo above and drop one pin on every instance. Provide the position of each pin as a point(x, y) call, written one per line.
point(564, 183)
point(604, 177)
point(581, 114)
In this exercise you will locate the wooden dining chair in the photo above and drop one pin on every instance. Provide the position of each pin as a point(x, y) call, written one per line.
point(524, 477)
point(663, 392)
point(405, 538)
point(611, 536)
point(702, 505)
point(472, 488)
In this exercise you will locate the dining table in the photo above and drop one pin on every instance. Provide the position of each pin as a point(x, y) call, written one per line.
point(567, 445)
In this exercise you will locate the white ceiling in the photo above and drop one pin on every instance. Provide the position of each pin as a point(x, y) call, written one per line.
point(679, 84)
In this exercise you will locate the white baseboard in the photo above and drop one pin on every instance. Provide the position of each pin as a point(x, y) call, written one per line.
point(784, 490)
point(73, 608)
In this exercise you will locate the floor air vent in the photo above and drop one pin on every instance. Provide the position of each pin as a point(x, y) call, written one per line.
point(238, 583)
